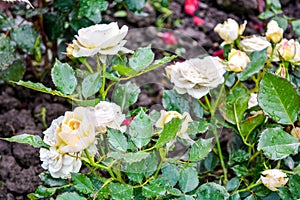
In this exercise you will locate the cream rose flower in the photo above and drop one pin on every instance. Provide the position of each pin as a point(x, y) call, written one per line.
point(230, 30)
point(167, 116)
point(197, 76)
point(286, 49)
point(255, 43)
point(274, 178)
point(59, 165)
point(76, 132)
point(49, 134)
point(108, 115)
point(274, 33)
point(106, 39)
point(237, 60)
point(296, 59)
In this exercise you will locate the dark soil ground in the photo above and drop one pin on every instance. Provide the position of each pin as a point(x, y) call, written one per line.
point(20, 108)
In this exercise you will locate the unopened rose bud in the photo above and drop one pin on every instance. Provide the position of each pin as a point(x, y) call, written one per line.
point(286, 49)
point(274, 178)
point(274, 32)
point(237, 60)
point(230, 30)
point(70, 49)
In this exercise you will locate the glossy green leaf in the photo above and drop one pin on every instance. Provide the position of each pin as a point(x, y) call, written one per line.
point(265, 15)
point(211, 161)
point(235, 196)
point(15, 72)
point(91, 84)
point(117, 139)
point(52, 182)
point(129, 157)
point(196, 127)
point(64, 5)
point(175, 102)
point(296, 26)
point(82, 183)
point(258, 59)
point(141, 59)
point(212, 191)
point(121, 191)
point(169, 132)
point(238, 156)
point(123, 70)
point(33, 140)
point(111, 76)
point(251, 123)
point(285, 193)
point(25, 37)
point(174, 191)
point(240, 170)
point(160, 62)
point(232, 184)
point(63, 77)
point(294, 185)
point(140, 129)
point(7, 52)
point(70, 195)
point(171, 172)
point(134, 5)
point(277, 144)
point(188, 179)
point(186, 197)
point(153, 190)
point(126, 94)
point(135, 177)
point(200, 149)
point(5, 23)
point(236, 104)
point(92, 9)
point(146, 166)
point(279, 99)
point(42, 192)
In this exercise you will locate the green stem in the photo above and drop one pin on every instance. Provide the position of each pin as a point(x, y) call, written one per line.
point(86, 64)
point(208, 105)
point(162, 153)
point(250, 187)
point(203, 105)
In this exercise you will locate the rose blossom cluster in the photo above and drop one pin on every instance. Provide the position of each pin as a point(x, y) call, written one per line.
point(278, 48)
point(75, 132)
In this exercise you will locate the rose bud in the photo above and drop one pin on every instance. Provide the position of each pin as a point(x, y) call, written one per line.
point(237, 60)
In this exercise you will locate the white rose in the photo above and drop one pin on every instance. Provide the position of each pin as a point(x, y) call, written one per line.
point(274, 178)
point(254, 43)
point(286, 49)
point(197, 76)
point(237, 60)
point(108, 115)
point(253, 100)
point(77, 131)
point(296, 59)
point(274, 32)
point(59, 165)
point(106, 39)
point(230, 30)
point(167, 116)
point(49, 133)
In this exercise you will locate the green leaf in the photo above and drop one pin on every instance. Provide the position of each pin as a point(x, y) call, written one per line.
point(54, 25)
point(111, 77)
point(120, 13)
point(64, 5)
point(232, 184)
point(174, 191)
point(240, 170)
point(186, 197)
point(160, 62)
point(5, 23)
point(138, 178)
point(236, 104)
point(211, 161)
point(171, 172)
point(82, 183)
point(153, 190)
point(277, 144)
point(129, 157)
point(85, 103)
point(7, 52)
point(200, 149)
point(92, 9)
point(141, 59)
point(25, 38)
point(15, 72)
point(279, 99)
point(121, 191)
point(42, 192)
point(135, 5)
point(258, 59)
point(296, 26)
point(169, 132)
point(126, 94)
point(196, 127)
point(235, 196)
point(294, 185)
point(285, 193)
point(175, 102)
point(146, 166)
point(251, 123)
point(33, 140)
point(282, 22)
point(123, 70)
point(91, 84)
point(63, 77)
point(117, 140)
point(140, 129)
point(50, 181)
point(212, 191)
point(70, 195)
point(238, 156)
point(265, 15)
point(188, 179)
